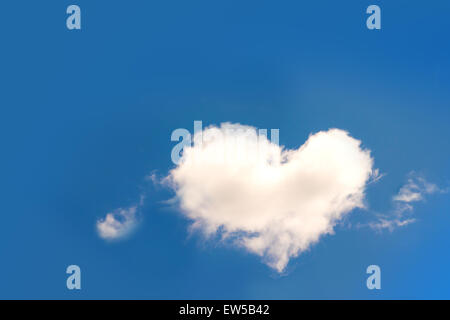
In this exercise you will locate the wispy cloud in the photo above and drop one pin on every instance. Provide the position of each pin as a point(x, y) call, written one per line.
point(120, 222)
point(414, 190)
point(376, 176)
point(117, 224)
point(390, 223)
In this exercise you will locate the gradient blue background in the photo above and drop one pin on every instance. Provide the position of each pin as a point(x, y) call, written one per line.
point(86, 115)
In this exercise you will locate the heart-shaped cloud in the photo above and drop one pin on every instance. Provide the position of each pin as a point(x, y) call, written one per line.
point(273, 202)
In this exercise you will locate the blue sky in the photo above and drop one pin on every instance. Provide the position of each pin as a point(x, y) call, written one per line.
point(88, 114)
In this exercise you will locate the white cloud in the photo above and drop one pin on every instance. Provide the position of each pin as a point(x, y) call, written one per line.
point(390, 224)
point(274, 202)
point(117, 224)
point(414, 190)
